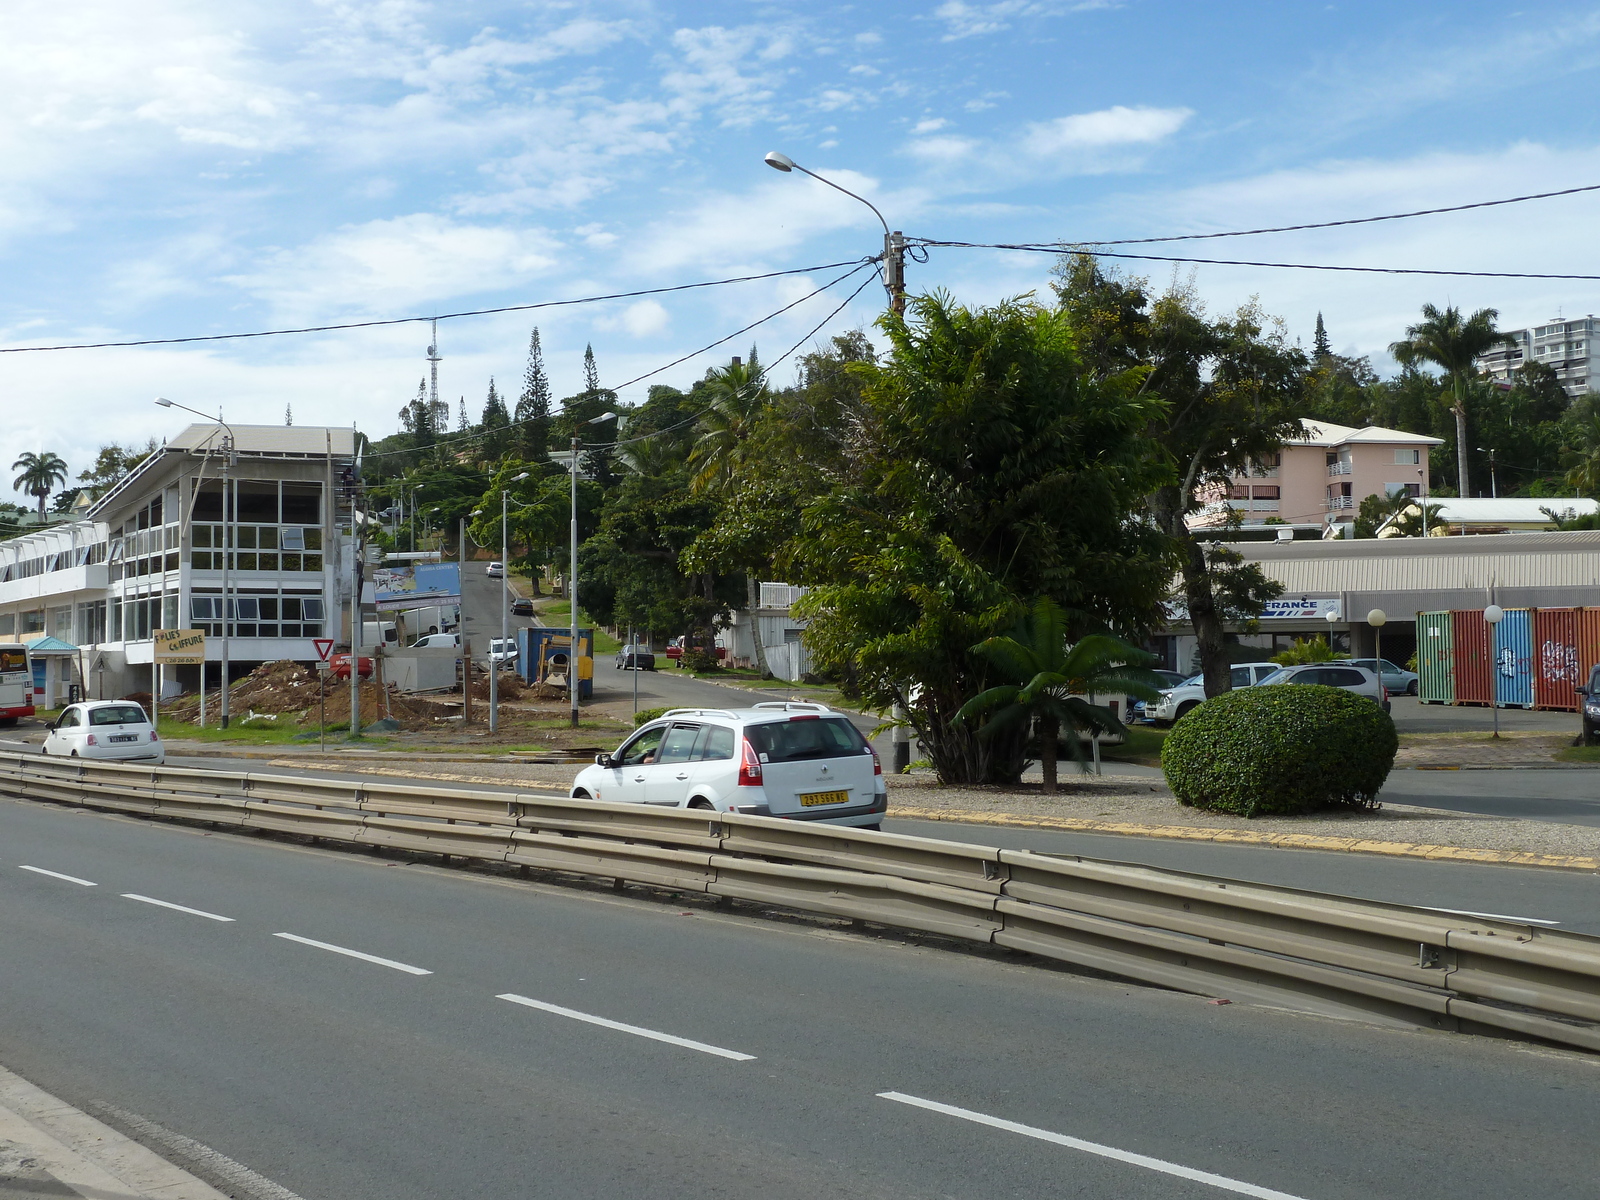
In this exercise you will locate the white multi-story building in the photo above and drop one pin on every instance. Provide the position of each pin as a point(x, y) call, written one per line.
point(148, 555)
point(1567, 347)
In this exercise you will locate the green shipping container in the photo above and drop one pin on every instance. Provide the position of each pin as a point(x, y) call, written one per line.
point(1435, 654)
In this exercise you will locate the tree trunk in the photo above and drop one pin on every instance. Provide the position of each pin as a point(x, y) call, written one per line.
point(1461, 447)
point(1208, 630)
point(752, 591)
point(1049, 729)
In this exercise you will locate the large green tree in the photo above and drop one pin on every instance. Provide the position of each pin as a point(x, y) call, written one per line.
point(1452, 342)
point(532, 415)
point(983, 467)
point(1233, 389)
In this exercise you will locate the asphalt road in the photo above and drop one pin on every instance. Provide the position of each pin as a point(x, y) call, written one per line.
point(800, 1062)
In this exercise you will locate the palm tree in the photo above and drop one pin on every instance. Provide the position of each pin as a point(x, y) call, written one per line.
point(1044, 676)
point(739, 396)
point(1582, 458)
point(41, 474)
point(1447, 341)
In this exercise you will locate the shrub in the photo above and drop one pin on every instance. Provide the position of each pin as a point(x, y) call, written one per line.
point(1307, 650)
point(700, 660)
point(645, 715)
point(1288, 748)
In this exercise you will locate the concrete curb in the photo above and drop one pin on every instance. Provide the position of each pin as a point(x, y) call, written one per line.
point(43, 1139)
point(1248, 837)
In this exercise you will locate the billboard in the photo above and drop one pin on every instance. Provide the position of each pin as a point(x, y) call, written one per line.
point(179, 646)
point(418, 585)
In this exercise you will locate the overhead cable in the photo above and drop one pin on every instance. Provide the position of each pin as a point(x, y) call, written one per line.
point(475, 312)
point(1088, 248)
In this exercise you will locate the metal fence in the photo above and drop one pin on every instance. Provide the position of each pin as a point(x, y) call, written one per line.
point(1196, 933)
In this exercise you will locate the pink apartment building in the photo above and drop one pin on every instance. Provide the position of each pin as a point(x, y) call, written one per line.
point(1322, 477)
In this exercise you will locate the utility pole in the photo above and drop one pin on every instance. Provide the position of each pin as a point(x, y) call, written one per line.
point(461, 631)
point(894, 271)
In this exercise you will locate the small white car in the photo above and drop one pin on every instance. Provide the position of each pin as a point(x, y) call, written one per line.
point(803, 762)
point(496, 570)
point(105, 729)
point(1177, 703)
point(503, 652)
point(1346, 675)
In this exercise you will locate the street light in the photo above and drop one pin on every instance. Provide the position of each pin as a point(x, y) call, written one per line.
point(1493, 615)
point(505, 614)
point(1377, 618)
point(572, 566)
point(1494, 488)
point(1332, 617)
point(894, 244)
point(229, 450)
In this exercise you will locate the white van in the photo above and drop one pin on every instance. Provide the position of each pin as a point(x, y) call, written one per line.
point(437, 641)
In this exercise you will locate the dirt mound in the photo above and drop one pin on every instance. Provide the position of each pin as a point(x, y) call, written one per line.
point(376, 702)
point(511, 687)
point(275, 687)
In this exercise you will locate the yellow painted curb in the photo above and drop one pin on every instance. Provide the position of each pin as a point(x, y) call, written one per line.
point(1251, 837)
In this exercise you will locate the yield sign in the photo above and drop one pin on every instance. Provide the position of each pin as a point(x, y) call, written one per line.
point(324, 647)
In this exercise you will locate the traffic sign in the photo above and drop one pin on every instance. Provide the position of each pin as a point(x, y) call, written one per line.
point(324, 647)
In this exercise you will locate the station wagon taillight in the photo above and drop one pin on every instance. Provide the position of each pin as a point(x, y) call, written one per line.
point(749, 767)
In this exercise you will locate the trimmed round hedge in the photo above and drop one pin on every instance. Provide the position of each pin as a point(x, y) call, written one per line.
point(1280, 749)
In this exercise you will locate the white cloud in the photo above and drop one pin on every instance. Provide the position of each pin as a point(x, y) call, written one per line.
point(1117, 126)
point(963, 20)
point(729, 71)
point(641, 319)
point(390, 266)
point(930, 125)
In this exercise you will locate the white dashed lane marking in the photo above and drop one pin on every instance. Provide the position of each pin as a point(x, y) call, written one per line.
point(197, 912)
point(59, 875)
point(348, 953)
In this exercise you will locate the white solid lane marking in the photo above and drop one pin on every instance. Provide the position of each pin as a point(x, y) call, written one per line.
point(59, 875)
point(1467, 912)
point(636, 1030)
point(198, 912)
point(371, 958)
point(257, 1186)
point(1111, 1152)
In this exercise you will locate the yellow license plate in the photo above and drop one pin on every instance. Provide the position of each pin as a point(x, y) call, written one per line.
point(810, 798)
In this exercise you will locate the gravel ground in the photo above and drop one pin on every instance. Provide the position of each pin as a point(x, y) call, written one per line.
point(1119, 800)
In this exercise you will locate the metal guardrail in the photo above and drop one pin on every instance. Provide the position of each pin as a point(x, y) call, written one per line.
point(1191, 932)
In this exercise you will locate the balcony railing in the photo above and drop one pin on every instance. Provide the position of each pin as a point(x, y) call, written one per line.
point(1339, 468)
point(1340, 502)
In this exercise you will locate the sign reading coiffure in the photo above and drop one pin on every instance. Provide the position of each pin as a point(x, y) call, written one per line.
point(180, 646)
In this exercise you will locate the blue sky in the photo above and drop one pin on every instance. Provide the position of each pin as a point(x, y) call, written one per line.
point(183, 167)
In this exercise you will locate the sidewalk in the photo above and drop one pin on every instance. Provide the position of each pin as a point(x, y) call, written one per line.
point(50, 1150)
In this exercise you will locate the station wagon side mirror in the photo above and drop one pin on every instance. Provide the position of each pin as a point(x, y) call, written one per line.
point(602, 760)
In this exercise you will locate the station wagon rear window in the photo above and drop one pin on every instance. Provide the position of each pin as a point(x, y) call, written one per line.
point(808, 737)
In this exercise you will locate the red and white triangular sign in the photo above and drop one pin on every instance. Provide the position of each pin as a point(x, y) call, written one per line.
point(324, 647)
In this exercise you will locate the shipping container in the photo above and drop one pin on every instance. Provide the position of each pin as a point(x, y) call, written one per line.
point(1588, 640)
point(1434, 641)
point(1555, 659)
point(1513, 659)
point(1474, 680)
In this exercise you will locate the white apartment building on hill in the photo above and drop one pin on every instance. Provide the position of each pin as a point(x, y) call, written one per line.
point(1566, 347)
point(149, 554)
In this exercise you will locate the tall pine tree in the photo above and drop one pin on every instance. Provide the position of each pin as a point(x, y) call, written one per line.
point(463, 424)
point(591, 373)
point(495, 426)
point(1321, 348)
point(533, 406)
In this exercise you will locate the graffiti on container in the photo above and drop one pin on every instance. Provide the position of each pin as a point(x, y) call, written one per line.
point(1558, 662)
point(1506, 662)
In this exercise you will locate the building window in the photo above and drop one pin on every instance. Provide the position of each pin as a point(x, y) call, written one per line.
point(1408, 457)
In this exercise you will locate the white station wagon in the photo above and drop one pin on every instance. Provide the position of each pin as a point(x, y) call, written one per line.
point(804, 762)
point(106, 729)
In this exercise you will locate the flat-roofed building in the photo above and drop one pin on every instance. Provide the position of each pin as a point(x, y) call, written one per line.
point(1566, 347)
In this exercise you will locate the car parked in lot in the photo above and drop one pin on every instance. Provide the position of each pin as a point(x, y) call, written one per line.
point(1342, 674)
point(799, 761)
point(339, 664)
point(1398, 680)
point(104, 729)
point(1177, 703)
point(522, 607)
point(496, 570)
point(1589, 703)
point(636, 658)
point(1169, 679)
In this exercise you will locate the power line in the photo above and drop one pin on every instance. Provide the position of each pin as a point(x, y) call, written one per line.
point(476, 312)
point(1421, 212)
point(859, 265)
point(1075, 248)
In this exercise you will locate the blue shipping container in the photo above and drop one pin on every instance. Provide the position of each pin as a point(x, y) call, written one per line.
point(538, 646)
point(1513, 659)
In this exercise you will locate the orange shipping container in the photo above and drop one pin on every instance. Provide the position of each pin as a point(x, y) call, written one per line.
point(1470, 633)
point(1555, 659)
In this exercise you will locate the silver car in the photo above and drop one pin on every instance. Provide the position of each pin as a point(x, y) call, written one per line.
point(1342, 674)
point(104, 729)
point(1398, 680)
point(803, 762)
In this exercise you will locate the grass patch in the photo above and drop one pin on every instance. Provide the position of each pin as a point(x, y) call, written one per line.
point(1579, 754)
point(559, 612)
point(281, 734)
